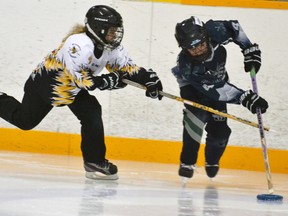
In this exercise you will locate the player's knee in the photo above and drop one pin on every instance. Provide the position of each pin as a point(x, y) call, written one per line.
point(219, 131)
point(218, 136)
point(226, 132)
point(26, 126)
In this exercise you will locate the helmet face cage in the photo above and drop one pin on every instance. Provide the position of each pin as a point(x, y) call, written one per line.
point(116, 33)
point(101, 21)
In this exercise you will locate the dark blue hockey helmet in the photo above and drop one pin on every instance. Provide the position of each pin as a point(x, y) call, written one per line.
point(190, 33)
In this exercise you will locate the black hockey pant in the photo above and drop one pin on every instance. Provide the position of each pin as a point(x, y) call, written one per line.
point(195, 120)
point(29, 113)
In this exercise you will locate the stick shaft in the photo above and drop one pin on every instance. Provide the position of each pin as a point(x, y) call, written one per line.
point(262, 135)
point(197, 105)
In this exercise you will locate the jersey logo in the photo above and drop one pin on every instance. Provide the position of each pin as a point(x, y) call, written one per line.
point(219, 118)
point(207, 87)
point(194, 42)
point(74, 50)
point(235, 25)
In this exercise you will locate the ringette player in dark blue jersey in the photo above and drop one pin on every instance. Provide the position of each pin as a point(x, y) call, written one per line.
point(203, 78)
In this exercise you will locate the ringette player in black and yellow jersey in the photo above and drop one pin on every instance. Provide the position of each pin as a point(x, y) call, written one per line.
point(67, 74)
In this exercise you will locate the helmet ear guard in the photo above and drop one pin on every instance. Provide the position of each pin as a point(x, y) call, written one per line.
point(99, 19)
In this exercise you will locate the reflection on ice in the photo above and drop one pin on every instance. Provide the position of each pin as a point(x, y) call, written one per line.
point(36, 185)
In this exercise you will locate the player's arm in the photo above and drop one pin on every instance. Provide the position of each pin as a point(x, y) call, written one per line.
point(121, 63)
point(251, 52)
point(225, 92)
point(224, 32)
point(76, 54)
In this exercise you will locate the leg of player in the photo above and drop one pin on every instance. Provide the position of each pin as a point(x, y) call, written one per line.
point(218, 133)
point(88, 111)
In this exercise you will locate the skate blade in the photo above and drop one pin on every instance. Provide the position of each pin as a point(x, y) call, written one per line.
point(184, 181)
point(100, 176)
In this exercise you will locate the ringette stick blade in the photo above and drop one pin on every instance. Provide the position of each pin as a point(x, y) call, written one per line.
point(270, 197)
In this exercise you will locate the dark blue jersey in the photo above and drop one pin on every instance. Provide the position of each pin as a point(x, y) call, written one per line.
point(210, 77)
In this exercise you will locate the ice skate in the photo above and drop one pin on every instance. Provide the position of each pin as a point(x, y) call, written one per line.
point(101, 171)
point(211, 170)
point(186, 171)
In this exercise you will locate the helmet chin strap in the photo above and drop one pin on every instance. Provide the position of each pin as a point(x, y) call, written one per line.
point(94, 35)
point(210, 57)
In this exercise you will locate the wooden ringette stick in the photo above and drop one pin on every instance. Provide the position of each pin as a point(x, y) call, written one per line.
point(262, 135)
point(197, 105)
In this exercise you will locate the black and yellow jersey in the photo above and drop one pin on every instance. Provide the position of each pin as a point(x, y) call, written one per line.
point(73, 66)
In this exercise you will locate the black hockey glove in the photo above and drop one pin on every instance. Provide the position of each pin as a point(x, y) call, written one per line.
point(252, 58)
point(153, 84)
point(252, 101)
point(112, 81)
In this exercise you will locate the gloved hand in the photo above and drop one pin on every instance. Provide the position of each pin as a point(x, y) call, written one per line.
point(153, 84)
point(252, 101)
point(112, 81)
point(252, 58)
